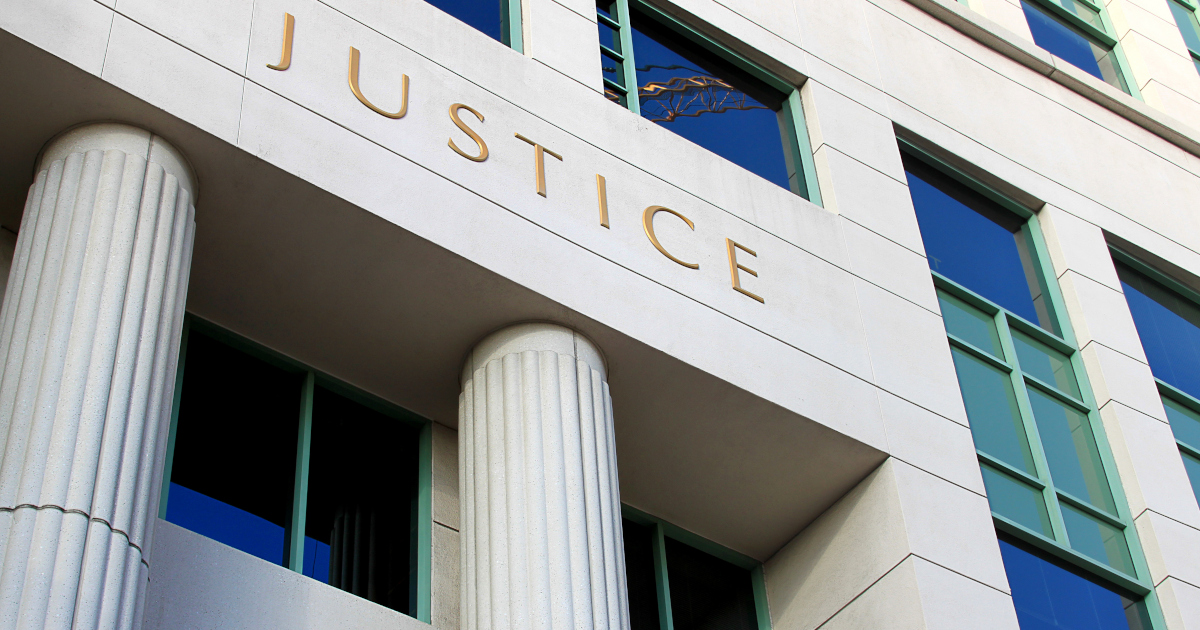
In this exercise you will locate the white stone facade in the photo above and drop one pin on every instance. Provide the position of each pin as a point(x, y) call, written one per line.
point(821, 432)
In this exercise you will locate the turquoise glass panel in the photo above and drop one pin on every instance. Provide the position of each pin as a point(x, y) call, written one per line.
point(992, 411)
point(1017, 501)
point(1071, 452)
point(1097, 540)
point(1085, 12)
point(1050, 366)
point(970, 324)
point(1192, 465)
point(1185, 423)
point(1185, 18)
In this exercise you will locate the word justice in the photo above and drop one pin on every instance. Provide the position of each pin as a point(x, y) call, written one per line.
point(540, 152)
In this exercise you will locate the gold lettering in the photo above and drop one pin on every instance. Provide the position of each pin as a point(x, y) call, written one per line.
point(539, 163)
point(285, 59)
point(362, 99)
point(648, 225)
point(602, 191)
point(734, 267)
point(483, 150)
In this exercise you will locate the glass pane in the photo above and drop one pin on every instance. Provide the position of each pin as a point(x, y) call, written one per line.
point(639, 576)
point(1185, 18)
point(1169, 326)
point(1072, 45)
point(1185, 423)
point(974, 242)
point(708, 593)
point(707, 100)
point(1040, 361)
point(1192, 465)
point(607, 9)
point(992, 411)
point(487, 16)
point(1097, 540)
point(1071, 450)
point(361, 486)
point(1017, 501)
point(1196, 62)
point(609, 37)
point(234, 464)
point(970, 324)
point(613, 70)
point(1049, 597)
point(1085, 12)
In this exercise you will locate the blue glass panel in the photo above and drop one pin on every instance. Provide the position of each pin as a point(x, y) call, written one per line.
point(1048, 597)
point(972, 241)
point(487, 16)
point(1169, 327)
point(225, 524)
point(707, 100)
point(316, 559)
point(1073, 46)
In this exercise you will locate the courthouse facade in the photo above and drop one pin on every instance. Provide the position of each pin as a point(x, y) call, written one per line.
point(628, 314)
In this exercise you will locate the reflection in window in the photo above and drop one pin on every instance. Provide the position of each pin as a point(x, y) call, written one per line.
point(255, 441)
point(1071, 44)
point(976, 243)
point(684, 86)
point(1050, 597)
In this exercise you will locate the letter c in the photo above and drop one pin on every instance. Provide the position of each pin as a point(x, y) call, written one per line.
point(648, 225)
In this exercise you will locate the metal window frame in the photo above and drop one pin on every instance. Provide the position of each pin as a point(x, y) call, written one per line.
point(511, 32)
point(1105, 36)
point(802, 172)
point(661, 530)
point(1192, 6)
point(1138, 585)
point(421, 583)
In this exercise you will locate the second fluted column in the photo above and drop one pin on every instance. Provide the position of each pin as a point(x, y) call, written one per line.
point(541, 510)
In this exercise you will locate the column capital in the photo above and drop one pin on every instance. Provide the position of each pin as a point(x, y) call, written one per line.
point(536, 336)
point(106, 136)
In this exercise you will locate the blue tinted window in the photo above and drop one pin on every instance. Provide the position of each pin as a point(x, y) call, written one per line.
point(707, 100)
point(975, 243)
point(1049, 597)
point(1072, 45)
point(1169, 327)
point(488, 16)
point(234, 463)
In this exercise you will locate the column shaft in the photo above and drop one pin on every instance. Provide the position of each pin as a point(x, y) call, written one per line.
point(89, 335)
point(541, 516)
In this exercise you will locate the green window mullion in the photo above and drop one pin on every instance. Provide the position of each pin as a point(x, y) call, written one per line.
point(510, 18)
point(625, 30)
point(1011, 470)
point(1084, 506)
point(661, 581)
point(979, 354)
point(1102, 37)
point(1042, 467)
point(294, 534)
point(1053, 392)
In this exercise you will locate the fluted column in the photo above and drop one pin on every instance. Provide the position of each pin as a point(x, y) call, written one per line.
point(89, 336)
point(541, 512)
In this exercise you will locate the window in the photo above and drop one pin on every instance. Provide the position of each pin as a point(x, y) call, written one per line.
point(1169, 326)
point(1046, 467)
point(1189, 27)
point(704, 92)
point(262, 449)
point(498, 19)
point(679, 581)
point(1078, 32)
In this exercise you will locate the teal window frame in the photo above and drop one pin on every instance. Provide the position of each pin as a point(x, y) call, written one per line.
point(663, 530)
point(294, 545)
point(1189, 8)
point(1138, 584)
point(802, 170)
point(510, 14)
point(1165, 390)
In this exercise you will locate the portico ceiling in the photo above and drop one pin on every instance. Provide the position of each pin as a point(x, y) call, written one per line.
point(297, 269)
